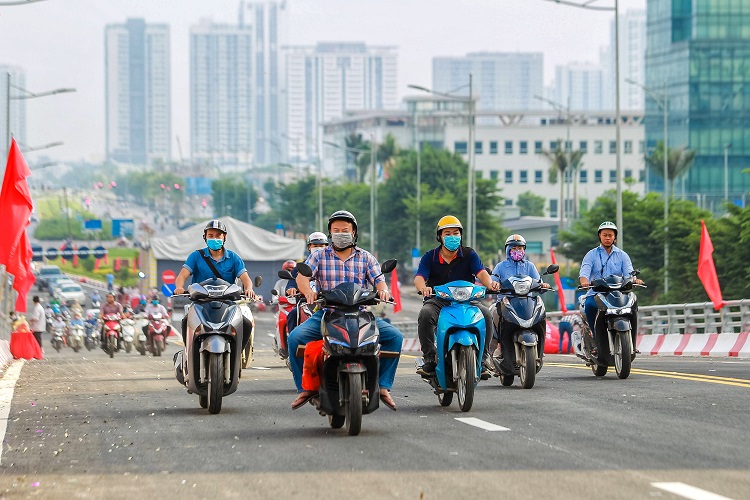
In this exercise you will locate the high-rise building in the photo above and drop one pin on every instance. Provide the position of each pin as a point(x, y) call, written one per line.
point(221, 93)
point(329, 79)
point(700, 51)
point(268, 20)
point(502, 81)
point(582, 83)
point(17, 106)
point(137, 92)
point(632, 65)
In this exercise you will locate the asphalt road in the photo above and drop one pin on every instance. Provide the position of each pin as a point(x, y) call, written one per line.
point(86, 426)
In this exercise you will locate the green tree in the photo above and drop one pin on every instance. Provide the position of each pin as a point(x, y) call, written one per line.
point(234, 198)
point(679, 162)
point(531, 204)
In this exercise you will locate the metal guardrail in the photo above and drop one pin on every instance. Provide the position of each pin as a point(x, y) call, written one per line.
point(699, 317)
point(7, 302)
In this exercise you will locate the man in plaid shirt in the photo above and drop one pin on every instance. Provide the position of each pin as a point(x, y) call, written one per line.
point(343, 262)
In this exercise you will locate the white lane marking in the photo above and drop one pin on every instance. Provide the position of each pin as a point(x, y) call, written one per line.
point(482, 424)
point(687, 491)
point(259, 368)
point(7, 386)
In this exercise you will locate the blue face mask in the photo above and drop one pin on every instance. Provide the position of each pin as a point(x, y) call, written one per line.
point(215, 244)
point(451, 242)
point(155, 302)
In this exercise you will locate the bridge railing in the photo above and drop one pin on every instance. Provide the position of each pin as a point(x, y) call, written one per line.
point(699, 317)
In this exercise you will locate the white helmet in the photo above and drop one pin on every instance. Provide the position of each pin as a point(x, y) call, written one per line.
point(607, 225)
point(317, 238)
point(515, 240)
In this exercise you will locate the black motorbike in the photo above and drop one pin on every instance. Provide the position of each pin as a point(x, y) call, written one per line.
point(211, 362)
point(522, 328)
point(615, 336)
point(349, 374)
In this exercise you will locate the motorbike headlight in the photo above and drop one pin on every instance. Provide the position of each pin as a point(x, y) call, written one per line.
point(461, 293)
point(367, 348)
point(522, 287)
point(616, 311)
point(337, 348)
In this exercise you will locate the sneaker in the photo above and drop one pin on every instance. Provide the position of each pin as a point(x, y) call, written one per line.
point(498, 353)
point(428, 368)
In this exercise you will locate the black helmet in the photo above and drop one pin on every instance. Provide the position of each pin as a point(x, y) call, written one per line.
point(342, 215)
point(214, 224)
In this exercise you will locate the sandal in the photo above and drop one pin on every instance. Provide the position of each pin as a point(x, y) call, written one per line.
point(386, 398)
point(302, 398)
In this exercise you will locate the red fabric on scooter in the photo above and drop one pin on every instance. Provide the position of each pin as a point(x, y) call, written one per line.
point(552, 340)
point(311, 366)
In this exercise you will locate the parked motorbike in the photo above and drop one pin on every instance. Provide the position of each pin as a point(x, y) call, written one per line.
point(350, 368)
point(615, 337)
point(460, 343)
point(210, 363)
point(128, 333)
point(522, 328)
point(157, 334)
point(111, 332)
point(75, 337)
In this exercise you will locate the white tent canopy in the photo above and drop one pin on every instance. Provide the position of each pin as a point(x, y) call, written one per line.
point(249, 242)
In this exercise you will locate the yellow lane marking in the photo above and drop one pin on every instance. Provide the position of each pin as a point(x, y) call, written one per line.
point(713, 379)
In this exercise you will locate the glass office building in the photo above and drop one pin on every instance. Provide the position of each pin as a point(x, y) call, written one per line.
point(699, 51)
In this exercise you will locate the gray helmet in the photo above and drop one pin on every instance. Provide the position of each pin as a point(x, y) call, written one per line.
point(215, 224)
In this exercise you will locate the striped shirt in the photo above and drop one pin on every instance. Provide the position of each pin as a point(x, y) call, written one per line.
point(573, 319)
point(361, 267)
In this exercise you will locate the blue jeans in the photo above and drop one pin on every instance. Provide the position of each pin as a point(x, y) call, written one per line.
point(391, 339)
point(590, 309)
point(565, 327)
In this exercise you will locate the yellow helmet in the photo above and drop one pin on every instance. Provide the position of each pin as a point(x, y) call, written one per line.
point(448, 221)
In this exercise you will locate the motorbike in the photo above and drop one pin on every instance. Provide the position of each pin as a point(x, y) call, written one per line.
point(350, 367)
point(58, 335)
point(76, 337)
point(210, 363)
point(157, 334)
point(91, 339)
point(139, 341)
point(111, 332)
point(460, 343)
point(96, 301)
point(286, 306)
point(524, 322)
point(615, 339)
point(128, 332)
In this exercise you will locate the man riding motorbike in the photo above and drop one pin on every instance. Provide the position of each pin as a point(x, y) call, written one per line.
point(215, 261)
point(342, 262)
point(109, 307)
point(156, 308)
point(601, 261)
point(448, 262)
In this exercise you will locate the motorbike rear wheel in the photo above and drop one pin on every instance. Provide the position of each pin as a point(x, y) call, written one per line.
point(599, 370)
point(467, 376)
point(623, 353)
point(336, 421)
point(506, 380)
point(215, 381)
point(527, 372)
point(203, 400)
point(354, 404)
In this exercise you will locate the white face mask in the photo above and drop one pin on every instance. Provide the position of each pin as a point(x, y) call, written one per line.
point(342, 240)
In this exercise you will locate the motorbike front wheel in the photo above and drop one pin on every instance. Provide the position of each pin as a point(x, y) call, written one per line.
point(58, 345)
point(128, 346)
point(623, 353)
point(215, 381)
point(354, 404)
point(527, 373)
point(158, 348)
point(467, 376)
point(111, 346)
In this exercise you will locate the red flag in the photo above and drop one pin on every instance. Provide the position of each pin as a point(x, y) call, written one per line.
point(707, 270)
point(75, 256)
point(117, 263)
point(15, 210)
point(395, 292)
point(97, 263)
point(558, 283)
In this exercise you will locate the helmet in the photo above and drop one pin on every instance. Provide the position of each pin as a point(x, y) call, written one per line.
point(214, 224)
point(607, 225)
point(448, 221)
point(515, 240)
point(342, 215)
point(289, 265)
point(317, 238)
point(142, 302)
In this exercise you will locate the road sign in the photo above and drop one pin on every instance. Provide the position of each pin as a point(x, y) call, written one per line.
point(123, 227)
point(168, 277)
point(38, 253)
point(51, 253)
point(93, 225)
point(84, 252)
point(167, 290)
point(100, 252)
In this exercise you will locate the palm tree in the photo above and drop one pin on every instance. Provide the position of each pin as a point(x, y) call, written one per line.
point(679, 161)
point(385, 155)
point(560, 161)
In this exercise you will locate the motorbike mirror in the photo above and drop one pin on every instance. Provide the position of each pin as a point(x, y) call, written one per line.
point(258, 281)
point(388, 266)
point(141, 274)
point(274, 291)
point(304, 270)
point(285, 275)
point(552, 269)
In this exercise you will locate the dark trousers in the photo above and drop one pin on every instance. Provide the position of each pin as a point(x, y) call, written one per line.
point(38, 337)
point(565, 327)
point(427, 324)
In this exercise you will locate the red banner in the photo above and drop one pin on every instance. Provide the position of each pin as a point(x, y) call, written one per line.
point(707, 269)
point(558, 284)
point(395, 292)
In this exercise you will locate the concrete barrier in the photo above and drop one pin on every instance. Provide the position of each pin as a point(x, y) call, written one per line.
point(733, 345)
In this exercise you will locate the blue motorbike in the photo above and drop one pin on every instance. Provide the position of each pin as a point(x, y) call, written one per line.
point(460, 343)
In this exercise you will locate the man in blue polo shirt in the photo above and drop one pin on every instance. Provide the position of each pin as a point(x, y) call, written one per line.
point(228, 265)
point(448, 262)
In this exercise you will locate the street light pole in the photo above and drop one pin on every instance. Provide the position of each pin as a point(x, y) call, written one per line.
point(373, 152)
point(415, 141)
point(472, 236)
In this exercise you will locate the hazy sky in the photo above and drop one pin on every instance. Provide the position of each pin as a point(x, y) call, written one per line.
point(60, 43)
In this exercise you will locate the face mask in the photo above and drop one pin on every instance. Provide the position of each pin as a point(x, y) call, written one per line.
point(342, 240)
point(215, 244)
point(517, 253)
point(313, 250)
point(155, 302)
point(451, 242)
